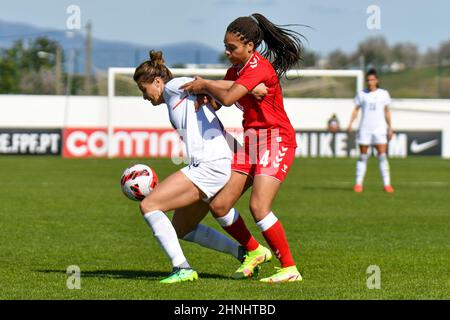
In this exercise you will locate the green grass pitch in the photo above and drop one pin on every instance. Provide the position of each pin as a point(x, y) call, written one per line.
point(56, 212)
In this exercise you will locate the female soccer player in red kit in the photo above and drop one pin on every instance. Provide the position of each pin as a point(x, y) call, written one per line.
point(270, 143)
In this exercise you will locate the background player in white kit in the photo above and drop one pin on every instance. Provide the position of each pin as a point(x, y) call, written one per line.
point(374, 129)
point(188, 190)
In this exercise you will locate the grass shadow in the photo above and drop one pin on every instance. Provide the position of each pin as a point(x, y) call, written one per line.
point(131, 274)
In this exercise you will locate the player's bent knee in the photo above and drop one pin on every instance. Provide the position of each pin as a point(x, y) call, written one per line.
point(147, 205)
point(219, 208)
point(257, 208)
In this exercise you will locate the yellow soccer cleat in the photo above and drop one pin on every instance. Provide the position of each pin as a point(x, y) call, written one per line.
point(181, 275)
point(251, 261)
point(288, 274)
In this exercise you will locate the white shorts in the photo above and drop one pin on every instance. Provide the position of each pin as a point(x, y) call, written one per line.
point(210, 177)
point(370, 138)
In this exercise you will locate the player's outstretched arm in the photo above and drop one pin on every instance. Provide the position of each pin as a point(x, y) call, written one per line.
point(259, 92)
point(222, 88)
point(216, 88)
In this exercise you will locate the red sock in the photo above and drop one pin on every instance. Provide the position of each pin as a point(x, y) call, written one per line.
point(238, 230)
point(276, 238)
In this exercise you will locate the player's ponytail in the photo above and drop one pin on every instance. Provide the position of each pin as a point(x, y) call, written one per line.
point(282, 47)
point(155, 67)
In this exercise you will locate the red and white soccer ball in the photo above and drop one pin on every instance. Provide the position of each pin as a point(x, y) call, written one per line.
point(138, 181)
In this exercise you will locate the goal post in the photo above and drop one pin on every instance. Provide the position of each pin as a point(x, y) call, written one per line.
point(177, 72)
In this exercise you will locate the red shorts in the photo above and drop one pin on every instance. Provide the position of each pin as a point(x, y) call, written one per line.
point(272, 161)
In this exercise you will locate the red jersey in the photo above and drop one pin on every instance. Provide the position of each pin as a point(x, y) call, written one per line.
point(269, 112)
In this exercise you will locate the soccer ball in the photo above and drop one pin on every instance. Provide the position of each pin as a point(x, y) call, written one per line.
point(138, 181)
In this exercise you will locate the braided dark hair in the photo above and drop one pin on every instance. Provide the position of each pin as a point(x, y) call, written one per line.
point(282, 46)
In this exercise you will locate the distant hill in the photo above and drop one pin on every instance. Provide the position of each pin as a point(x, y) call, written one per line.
point(109, 53)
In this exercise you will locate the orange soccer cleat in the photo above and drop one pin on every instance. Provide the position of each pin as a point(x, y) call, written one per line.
point(358, 188)
point(389, 189)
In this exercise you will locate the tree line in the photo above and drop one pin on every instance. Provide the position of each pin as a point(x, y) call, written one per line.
point(35, 66)
point(376, 52)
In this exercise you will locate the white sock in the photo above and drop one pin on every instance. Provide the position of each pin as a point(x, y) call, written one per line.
point(361, 167)
point(267, 222)
point(228, 219)
point(212, 239)
point(383, 164)
point(166, 236)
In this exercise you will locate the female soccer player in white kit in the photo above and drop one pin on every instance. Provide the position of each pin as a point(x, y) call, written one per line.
point(374, 129)
point(188, 190)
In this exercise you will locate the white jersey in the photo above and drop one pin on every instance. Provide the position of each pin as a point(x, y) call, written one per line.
point(372, 105)
point(201, 131)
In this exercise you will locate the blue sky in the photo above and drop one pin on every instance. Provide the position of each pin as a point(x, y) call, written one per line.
point(335, 24)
